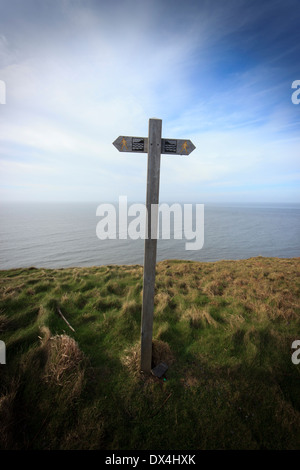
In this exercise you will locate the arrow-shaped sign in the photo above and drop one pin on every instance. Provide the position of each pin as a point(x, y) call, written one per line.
point(131, 144)
point(177, 146)
point(140, 144)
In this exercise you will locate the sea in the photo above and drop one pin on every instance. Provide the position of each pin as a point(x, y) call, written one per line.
point(62, 235)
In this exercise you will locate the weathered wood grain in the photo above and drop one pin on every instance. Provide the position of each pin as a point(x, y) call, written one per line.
point(152, 197)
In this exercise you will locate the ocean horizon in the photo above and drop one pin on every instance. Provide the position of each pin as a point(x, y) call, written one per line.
point(62, 235)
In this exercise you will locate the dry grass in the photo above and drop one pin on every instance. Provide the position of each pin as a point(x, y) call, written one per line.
point(55, 369)
point(65, 363)
point(225, 330)
point(199, 318)
point(161, 352)
point(268, 289)
point(131, 359)
point(130, 307)
point(214, 287)
point(161, 301)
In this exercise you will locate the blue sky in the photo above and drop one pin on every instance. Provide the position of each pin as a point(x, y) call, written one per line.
point(80, 73)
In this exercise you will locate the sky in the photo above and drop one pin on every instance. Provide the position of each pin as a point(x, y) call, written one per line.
point(77, 74)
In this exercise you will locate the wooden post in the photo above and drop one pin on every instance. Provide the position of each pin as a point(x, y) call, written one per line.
point(152, 197)
point(155, 146)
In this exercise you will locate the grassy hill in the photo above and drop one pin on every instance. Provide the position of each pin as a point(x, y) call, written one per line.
point(224, 328)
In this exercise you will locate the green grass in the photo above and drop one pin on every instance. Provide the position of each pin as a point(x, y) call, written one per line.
point(225, 329)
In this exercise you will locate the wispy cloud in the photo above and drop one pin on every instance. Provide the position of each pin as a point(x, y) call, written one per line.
point(80, 74)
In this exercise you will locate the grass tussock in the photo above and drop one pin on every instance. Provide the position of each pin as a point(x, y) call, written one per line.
point(225, 330)
point(65, 363)
point(161, 352)
point(199, 318)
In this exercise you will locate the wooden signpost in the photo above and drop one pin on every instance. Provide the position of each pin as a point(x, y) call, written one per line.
point(154, 145)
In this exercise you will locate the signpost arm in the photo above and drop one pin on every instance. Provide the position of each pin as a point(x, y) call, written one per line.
point(152, 197)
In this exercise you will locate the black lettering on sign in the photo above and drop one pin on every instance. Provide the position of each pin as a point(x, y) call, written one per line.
point(170, 146)
point(137, 145)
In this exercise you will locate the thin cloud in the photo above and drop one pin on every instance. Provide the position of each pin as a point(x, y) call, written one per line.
point(80, 74)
